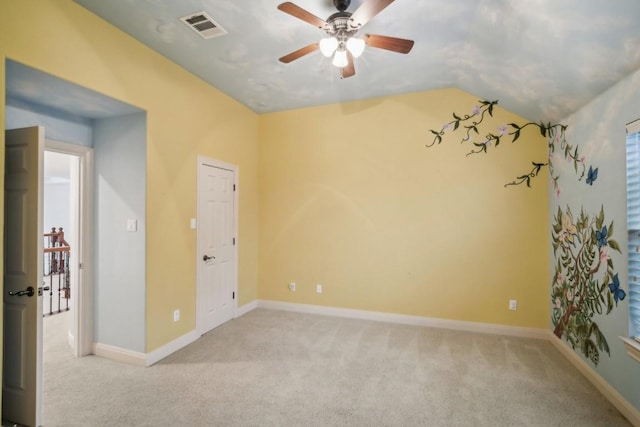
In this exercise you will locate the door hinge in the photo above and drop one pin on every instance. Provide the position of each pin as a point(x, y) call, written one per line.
point(234, 241)
point(234, 187)
point(234, 295)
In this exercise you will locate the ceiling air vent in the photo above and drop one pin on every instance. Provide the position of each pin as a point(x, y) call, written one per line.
point(202, 24)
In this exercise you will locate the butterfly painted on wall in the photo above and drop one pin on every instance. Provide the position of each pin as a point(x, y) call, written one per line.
point(618, 294)
point(601, 235)
point(592, 175)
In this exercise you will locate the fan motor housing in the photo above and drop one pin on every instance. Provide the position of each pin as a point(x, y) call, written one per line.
point(338, 26)
point(341, 5)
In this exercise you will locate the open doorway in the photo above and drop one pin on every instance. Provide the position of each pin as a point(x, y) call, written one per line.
point(60, 226)
point(112, 191)
point(66, 217)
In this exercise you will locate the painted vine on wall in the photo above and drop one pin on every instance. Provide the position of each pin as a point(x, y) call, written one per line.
point(585, 283)
point(555, 134)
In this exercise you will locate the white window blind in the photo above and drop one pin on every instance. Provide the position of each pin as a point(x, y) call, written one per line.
point(633, 223)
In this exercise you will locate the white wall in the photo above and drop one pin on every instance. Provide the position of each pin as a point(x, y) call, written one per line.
point(57, 187)
point(120, 194)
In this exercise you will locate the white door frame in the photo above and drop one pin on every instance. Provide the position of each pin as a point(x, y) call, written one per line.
point(209, 162)
point(82, 301)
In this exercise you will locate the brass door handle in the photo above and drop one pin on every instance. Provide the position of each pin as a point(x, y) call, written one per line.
point(30, 291)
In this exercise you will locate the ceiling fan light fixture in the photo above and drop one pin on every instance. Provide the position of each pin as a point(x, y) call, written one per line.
point(340, 58)
point(328, 45)
point(355, 46)
point(340, 43)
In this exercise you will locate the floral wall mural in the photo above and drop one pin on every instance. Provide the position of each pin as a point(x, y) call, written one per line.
point(585, 284)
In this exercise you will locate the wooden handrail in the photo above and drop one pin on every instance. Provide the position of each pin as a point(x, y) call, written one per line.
point(57, 249)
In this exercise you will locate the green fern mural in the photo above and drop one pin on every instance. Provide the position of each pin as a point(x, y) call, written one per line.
point(585, 283)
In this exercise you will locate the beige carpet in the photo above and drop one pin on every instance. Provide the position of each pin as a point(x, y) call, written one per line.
point(271, 368)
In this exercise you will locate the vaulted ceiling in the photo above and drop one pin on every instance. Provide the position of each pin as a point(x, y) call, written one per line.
point(542, 59)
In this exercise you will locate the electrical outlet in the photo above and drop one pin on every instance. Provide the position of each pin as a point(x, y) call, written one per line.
point(176, 315)
point(513, 304)
point(319, 288)
point(292, 287)
point(132, 225)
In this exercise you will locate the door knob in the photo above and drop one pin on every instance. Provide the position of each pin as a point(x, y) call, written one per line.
point(207, 258)
point(28, 292)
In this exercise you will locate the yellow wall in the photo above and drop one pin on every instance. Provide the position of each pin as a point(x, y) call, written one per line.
point(186, 117)
point(350, 198)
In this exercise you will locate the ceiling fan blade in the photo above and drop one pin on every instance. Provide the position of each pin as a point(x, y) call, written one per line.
point(300, 13)
point(393, 44)
point(350, 69)
point(299, 53)
point(368, 10)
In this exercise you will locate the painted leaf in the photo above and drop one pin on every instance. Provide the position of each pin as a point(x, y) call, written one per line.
point(614, 245)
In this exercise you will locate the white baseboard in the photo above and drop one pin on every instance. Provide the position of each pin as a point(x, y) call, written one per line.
point(160, 353)
point(241, 311)
point(404, 319)
point(627, 409)
point(119, 354)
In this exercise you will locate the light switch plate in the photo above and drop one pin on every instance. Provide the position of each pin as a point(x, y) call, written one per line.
point(132, 225)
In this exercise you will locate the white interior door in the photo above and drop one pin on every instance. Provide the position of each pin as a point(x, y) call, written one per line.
point(216, 255)
point(22, 368)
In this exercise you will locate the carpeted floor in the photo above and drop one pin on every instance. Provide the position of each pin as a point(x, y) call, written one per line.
point(272, 368)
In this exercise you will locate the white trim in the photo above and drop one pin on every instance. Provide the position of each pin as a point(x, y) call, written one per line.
point(242, 310)
point(404, 319)
point(71, 341)
point(633, 127)
point(166, 350)
point(627, 409)
point(203, 160)
point(119, 354)
point(633, 348)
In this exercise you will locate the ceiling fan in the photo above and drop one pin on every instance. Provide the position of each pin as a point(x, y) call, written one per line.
point(341, 28)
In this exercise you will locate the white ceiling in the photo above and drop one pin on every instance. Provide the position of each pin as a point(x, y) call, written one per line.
point(542, 59)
